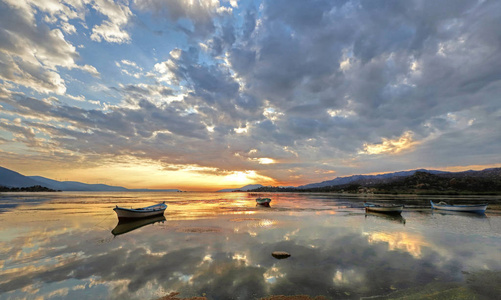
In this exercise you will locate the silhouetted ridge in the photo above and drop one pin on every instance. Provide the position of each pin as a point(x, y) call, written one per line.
point(487, 181)
point(11, 179)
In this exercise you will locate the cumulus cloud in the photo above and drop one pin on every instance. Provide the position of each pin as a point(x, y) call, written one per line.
point(111, 30)
point(31, 55)
point(390, 76)
point(391, 146)
point(30, 75)
point(68, 28)
point(309, 86)
point(90, 69)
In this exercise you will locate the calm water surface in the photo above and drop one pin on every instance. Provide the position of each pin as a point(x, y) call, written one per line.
point(219, 245)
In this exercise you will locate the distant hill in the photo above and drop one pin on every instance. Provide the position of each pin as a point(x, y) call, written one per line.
point(487, 181)
point(11, 179)
point(76, 186)
point(244, 188)
point(470, 182)
point(367, 179)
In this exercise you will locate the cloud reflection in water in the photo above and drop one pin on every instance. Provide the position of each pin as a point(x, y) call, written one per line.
point(345, 255)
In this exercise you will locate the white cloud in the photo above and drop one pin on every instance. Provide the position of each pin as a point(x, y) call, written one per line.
point(31, 53)
point(167, 69)
point(263, 160)
point(130, 63)
point(391, 146)
point(68, 28)
point(30, 75)
point(343, 113)
point(111, 30)
point(130, 68)
point(53, 9)
point(80, 98)
point(90, 69)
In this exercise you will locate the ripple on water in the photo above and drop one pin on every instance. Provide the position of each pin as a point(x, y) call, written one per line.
point(244, 219)
point(199, 229)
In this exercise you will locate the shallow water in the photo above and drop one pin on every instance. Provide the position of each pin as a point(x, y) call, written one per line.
point(219, 245)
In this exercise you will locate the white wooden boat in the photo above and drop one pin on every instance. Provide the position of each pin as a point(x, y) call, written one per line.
point(386, 209)
point(475, 208)
point(143, 212)
point(263, 201)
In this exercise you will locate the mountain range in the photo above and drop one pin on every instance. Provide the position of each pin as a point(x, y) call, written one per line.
point(368, 179)
point(487, 180)
point(342, 180)
point(11, 179)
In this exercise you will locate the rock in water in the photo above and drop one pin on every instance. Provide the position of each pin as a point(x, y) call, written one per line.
point(280, 254)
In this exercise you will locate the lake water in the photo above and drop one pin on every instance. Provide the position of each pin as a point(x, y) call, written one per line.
point(219, 245)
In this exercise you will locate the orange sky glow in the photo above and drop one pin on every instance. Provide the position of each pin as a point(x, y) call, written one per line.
point(137, 176)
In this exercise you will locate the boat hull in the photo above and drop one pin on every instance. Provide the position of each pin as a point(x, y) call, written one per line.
point(138, 213)
point(263, 201)
point(475, 208)
point(394, 209)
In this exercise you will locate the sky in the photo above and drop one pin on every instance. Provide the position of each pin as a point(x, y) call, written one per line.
point(204, 95)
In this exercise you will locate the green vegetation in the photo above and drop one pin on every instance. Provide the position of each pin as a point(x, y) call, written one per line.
point(487, 182)
point(479, 285)
point(348, 188)
point(35, 188)
point(426, 183)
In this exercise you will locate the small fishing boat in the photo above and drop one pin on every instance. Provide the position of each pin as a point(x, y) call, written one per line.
point(386, 209)
point(475, 208)
point(143, 212)
point(263, 201)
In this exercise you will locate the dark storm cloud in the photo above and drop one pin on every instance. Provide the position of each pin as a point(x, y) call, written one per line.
point(249, 23)
point(224, 40)
point(409, 63)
